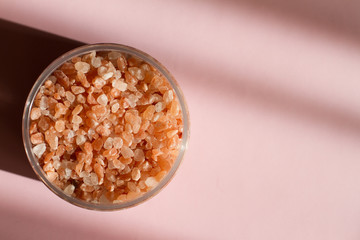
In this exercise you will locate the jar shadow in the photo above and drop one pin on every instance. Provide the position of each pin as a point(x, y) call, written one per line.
point(25, 52)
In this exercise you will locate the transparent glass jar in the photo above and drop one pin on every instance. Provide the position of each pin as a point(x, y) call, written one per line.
point(55, 65)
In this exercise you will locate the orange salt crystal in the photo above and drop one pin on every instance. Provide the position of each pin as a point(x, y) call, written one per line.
point(77, 90)
point(37, 138)
point(88, 148)
point(77, 110)
point(82, 67)
point(52, 176)
point(60, 125)
point(62, 78)
point(135, 174)
point(48, 157)
point(97, 144)
point(81, 77)
point(35, 113)
point(60, 151)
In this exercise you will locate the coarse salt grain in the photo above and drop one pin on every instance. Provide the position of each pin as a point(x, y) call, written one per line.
point(102, 99)
point(77, 90)
point(135, 174)
point(151, 182)
point(69, 189)
point(108, 144)
point(82, 67)
point(69, 96)
point(60, 125)
point(37, 138)
point(39, 150)
point(119, 85)
point(80, 140)
point(35, 113)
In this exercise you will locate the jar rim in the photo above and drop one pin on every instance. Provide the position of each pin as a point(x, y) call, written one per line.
point(79, 51)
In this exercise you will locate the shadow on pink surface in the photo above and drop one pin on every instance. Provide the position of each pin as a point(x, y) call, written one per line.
point(20, 221)
point(336, 16)
point(25, 53)
point(274, 98)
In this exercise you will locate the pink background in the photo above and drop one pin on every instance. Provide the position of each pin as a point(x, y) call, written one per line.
point(273, 93)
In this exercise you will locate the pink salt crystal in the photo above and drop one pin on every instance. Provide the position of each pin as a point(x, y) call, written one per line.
point(108, 143)
point(69, 96)
point(171, 133)
point(157, 116)
point(119, 85)
point(82, 67)
point(168, 96)
point(132, 99)
point(52, 79)
point(35, 113)
point(99, 170)
point(141, 184)
point(97, 144)
point(107, 75)
point(149, 112)
point(62, 78)
point(132, 187)
point(69, 189)
point(117, 142)
point(103, 131)
point(51, 138)
point(94, 178)
point(87, 180)
point(109, 175)
point(159, 107)
point(117, 74)
point(135, 174)
point(160, 175)
point(115, 107)
point(67, 103)
point(39, 150)
point(60, 125)
point(151, 182)
point(128, 128)
point(77, 110)
point(98, 82)
point(81, 99)
point(82, 79)
point(76, 119)
point(51, 176)
point(33, 128)
point(68, 173)
point(119, 182)
point(75, 126)
point(77, 89)
point(127, 138)
point(48, 167)
point(175, 108)
point(99, 110)
point(101, 70)
point(126, 152)
point(80, 139)
point(116, 164)
point(139, 155)
point(114, 55)
point(44, 103)
point(37, 138)
point(60, 109)
point(96, 62)
point(102, 99)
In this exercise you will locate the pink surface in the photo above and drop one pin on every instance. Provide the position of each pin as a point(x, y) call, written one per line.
point(274, 103)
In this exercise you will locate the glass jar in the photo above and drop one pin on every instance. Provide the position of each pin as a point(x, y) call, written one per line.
point(79, 52)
